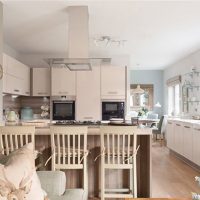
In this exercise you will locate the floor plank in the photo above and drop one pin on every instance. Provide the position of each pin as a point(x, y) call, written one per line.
point(171, 177)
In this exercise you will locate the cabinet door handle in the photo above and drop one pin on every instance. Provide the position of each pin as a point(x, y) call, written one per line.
point(42, 93)
point(88, 117)
point(178, 125)
point(63, 92)
point(187, 127)
point(197, 129)
point(16, 90)
point(112, 92)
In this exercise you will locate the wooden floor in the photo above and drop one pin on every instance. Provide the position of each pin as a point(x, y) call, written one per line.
point(171, 177)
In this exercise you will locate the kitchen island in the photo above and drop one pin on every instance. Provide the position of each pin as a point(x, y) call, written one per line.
point(116, 178)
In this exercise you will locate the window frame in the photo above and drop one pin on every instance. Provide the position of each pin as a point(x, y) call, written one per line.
point(173, 110)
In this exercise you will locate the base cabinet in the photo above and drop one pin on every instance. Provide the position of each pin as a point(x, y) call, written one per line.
point(178, 138)
point(196, 145)
point(187, 140)
point(184, 139)
point(170, 135)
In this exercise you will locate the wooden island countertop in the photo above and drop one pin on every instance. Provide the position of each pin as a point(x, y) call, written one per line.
point(93, 130)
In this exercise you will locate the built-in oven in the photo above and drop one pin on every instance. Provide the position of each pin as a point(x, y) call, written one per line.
point(112, 109)
point(63, 110)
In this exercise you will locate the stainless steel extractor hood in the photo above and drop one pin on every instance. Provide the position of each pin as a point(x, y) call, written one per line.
point(78, 43)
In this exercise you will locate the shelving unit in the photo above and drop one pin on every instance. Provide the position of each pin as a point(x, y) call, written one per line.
point(191, 91)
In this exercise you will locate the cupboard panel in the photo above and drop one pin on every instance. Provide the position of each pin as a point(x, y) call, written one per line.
point(88, 102)
point(63, 82)
point(41, 82)
point(187, 140)
point(113, 82)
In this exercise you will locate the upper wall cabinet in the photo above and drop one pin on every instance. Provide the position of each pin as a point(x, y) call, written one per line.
point(41, 81)
point(63, 82)
point(113, 84)
point(16, 79)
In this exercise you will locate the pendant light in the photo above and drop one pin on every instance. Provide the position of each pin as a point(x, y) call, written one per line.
point(138, 90)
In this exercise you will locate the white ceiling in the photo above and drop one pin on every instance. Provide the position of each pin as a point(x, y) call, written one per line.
point(158, 33)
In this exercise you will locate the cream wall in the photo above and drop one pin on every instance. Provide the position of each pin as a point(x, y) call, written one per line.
point(181, 67)
point(10, 51)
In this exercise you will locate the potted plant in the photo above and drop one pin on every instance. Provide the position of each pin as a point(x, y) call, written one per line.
point(142, 112)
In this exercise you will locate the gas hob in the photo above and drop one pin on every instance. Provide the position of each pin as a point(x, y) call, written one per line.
point(72, 122)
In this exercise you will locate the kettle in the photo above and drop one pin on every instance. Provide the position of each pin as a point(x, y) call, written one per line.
point(12, 116)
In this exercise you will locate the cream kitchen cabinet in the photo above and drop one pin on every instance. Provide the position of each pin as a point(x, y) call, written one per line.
point(12, 84)
point(41, 81)
point(170, 134)
point(178, 137)
point(88, 103)
point(63, 82)
point(25, 80)
point(187, 140)
point(196, 146)
point(113, 82)
point(16, 77)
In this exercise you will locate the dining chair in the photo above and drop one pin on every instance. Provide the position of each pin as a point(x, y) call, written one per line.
point(160, 129)
point(14, 137)
point(69, 149)
point(118, 151)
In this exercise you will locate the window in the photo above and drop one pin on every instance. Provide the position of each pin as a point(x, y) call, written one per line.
point(174, 99)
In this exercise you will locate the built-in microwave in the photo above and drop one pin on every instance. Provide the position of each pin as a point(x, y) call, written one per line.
point(63, 110)
point(112, 109)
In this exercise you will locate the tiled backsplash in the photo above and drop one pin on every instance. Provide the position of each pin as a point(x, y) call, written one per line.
point(11, 103)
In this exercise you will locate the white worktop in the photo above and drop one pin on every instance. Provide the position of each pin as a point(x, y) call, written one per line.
point(192, 121)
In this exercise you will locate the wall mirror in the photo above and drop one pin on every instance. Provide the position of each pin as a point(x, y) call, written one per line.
point(141, 96)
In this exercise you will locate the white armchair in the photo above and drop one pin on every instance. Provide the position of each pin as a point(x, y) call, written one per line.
point(54, 183)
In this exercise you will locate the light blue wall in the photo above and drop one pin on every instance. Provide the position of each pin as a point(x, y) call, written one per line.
point(154, 77)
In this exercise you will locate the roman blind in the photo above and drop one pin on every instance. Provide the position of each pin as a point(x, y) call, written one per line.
point(174, 80)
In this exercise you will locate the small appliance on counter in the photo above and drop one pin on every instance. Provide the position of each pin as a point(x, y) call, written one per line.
point(11, 118)
point(112, 109)
point(26, 113)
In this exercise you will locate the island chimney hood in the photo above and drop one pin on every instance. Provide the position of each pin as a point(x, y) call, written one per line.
point(78, 42)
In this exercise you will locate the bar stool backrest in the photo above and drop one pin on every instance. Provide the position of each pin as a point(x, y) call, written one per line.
point(118, 143)
point(69, 144)
point(14, 137)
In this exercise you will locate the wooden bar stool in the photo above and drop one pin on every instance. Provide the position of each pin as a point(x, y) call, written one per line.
point(69, 148)
point(118, 147)
point(14, 137)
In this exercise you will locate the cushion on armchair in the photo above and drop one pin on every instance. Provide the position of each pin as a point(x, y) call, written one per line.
point(53, 182)
point(18, 177)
